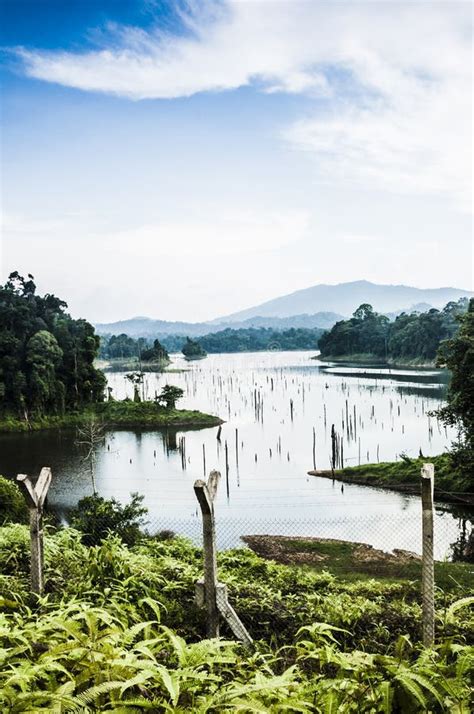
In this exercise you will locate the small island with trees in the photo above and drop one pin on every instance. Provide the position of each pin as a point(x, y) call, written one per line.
point(192, 350)
point(48, 376)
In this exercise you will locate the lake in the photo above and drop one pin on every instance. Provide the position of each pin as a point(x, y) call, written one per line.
point(271, 402)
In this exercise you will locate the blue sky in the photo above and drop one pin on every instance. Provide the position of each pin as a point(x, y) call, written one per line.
point(186, 160)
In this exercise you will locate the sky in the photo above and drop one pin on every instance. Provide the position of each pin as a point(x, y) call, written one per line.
point(185, 160)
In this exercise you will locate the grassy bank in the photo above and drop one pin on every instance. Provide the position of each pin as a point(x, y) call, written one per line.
point(115, 414)
point(404, 475)
point(131, 364)
point(374, 361)
point(358, 561)
point(120, 631)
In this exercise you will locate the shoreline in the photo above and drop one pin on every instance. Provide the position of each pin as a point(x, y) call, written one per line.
point(404, 477)
point(373, 361)
point(117, 415)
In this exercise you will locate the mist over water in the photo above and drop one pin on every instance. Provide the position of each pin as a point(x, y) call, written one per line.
point(271, 402)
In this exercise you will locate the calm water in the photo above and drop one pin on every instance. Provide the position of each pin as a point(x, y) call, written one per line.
point(270, 402)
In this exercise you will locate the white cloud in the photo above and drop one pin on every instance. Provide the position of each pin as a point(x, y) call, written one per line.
point(395, 79)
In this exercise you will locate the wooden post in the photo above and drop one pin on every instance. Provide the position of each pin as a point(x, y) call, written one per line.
point(35, 497)
point(427, 567)
point(205, 494)
point(230, 616)
point(209, 592)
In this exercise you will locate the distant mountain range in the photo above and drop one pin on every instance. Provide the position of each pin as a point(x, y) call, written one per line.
point(147, 327)
point(318, 306)
point(346, 297)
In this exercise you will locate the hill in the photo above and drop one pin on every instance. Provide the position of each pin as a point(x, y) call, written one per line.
point(147, 327)
point(344, 298)
point(318, 306)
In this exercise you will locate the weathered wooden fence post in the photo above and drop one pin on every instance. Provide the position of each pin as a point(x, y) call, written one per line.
point(427, 567)
point(209, 592)
point(205, 494)
point(35, 497)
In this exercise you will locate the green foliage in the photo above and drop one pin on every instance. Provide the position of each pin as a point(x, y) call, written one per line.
point(156, 353)
point(193, 349)
point(405, 474)
point(121, 346)
point(414, 336)
point(254, 339)
point(457, 354)
point(169, 395)
point(118, 631)
point(150, 414)
point(12, 503)
point(46, 357)
point(97, 517)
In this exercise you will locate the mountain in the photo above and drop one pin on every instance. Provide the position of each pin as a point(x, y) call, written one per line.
point(319, 306)
point(147, 327)
point(344, 298)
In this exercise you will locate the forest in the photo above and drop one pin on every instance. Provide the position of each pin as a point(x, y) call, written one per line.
point(124, 347)
point(410, 337)
point(252, 339)
point(46, 357)
point(48, 377)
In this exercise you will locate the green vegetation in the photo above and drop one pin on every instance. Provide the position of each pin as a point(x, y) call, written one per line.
point(96, 518)
point(193, 350)
point(12, 503)
point(258, 339)
point(409, 338)
point(117, 414)
point(251, 339)
point(404, 475)
point(457, 355)
point(358, 561)
point(46, 357)
point(121, 352)
point(119, 631)
point(156, 354)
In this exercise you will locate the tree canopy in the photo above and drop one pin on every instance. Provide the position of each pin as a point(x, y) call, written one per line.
point(409, 336)
point(46, 357)
point(193, 350)
point(457, 354)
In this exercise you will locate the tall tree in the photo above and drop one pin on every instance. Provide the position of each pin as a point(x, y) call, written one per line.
point(457, 354)
point(46, 357)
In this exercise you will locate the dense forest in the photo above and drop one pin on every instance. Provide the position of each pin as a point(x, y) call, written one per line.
point(46, 357)
point(457, 355)
point(124, 347)
point(256, 339)
point(415, 336)
point(252, 339)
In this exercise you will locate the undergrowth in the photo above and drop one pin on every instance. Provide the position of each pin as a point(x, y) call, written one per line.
point(118, 630)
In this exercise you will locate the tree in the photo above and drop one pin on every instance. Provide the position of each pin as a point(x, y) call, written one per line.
point(457, 355)
point(97, 517)
point(46, 357)
point(193, 350)
point(90, 436)
point(43, 356)
point(13, 507)
point(157, 353)
point(137, 379)
point(169, 395)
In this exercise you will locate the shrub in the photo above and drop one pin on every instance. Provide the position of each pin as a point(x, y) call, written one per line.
point(13, 507)
point(97, 517)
